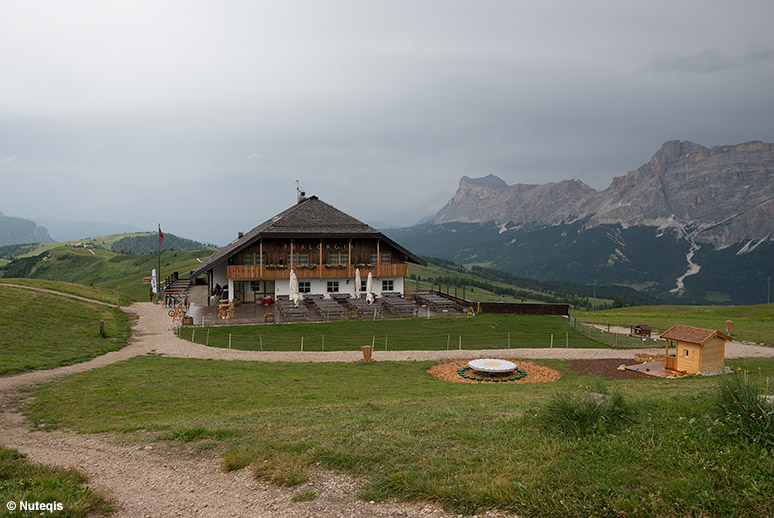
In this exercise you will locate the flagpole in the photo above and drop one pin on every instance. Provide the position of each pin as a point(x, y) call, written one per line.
point(158, 277)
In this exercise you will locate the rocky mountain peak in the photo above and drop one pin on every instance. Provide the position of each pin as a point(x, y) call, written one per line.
point(721, 196)
point(491, 181)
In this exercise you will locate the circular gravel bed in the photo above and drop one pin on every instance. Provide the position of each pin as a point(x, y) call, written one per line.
point(535, 373)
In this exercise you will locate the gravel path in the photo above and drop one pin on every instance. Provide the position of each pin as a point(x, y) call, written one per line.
point(157, 479)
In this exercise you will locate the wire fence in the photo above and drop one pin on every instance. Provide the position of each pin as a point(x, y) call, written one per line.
point(251, 338)
point(616, 336)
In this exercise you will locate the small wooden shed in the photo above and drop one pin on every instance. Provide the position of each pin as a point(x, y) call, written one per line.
point(642, 330)
point(696, 349)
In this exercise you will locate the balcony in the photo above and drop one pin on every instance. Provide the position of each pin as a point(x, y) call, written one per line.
point(250, 272)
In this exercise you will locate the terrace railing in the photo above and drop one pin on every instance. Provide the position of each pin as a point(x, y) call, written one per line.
point(248, 272)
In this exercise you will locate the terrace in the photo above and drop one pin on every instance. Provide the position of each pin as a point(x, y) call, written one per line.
point(314, 308)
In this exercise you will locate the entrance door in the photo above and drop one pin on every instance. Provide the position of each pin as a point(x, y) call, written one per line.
point(268, 289)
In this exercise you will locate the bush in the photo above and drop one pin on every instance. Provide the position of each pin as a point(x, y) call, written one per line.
point(587, 412)
point(741, 409)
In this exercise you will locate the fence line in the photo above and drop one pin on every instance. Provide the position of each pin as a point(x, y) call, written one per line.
point(217, 337)
point(612, 338)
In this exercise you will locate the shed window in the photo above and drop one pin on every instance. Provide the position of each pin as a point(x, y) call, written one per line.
point(686, 352)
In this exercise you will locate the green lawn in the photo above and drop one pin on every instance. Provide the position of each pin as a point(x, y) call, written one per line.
point(22, 481)
point(43, 330)
point(751, 323)
point(408, 435)
point(485, 331)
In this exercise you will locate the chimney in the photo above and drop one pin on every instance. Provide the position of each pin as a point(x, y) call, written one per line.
point(240, 235)
point(300, 193)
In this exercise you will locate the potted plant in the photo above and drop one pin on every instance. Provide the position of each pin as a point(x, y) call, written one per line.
point(268, 317)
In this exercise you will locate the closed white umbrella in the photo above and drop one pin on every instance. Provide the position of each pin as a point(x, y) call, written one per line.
point(369, 288)
point(357, 283)
point(293, 288)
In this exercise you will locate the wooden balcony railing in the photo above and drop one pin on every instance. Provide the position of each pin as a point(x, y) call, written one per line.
point(248, 272)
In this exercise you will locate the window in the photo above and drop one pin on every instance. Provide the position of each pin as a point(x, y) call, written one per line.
point(298, 258)
point(386, 258)
point(363, 285)
point(255, 286)
point(248, 258)
point(686, 352)
point(374, 257)
point(304, 286)
point(333, 286)
point(338, 257)
point(387, 286)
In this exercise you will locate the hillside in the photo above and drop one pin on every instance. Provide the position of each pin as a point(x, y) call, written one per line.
point(102, 268)
point(489, 284)
point(134, 243)
point(148, 242)
point(645, 258)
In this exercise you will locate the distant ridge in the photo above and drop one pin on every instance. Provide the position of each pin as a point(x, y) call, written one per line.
point(73, 230)
point(718, 196)
point(14, 231)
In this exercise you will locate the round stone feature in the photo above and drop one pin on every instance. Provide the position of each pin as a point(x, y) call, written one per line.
point(492, 365)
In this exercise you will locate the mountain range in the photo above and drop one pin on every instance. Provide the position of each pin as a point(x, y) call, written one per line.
point(694, 224)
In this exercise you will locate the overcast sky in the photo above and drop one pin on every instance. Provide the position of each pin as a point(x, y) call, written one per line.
point(200, 115)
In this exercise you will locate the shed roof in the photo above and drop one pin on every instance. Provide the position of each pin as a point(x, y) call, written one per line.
point(693, 335)
point(309, 218)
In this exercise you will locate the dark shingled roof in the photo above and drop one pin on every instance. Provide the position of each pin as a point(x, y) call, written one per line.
point(310, 218)
point(693, 335)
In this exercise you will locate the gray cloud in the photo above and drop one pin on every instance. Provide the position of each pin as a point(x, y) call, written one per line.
point(708, 61)
point(377, 108)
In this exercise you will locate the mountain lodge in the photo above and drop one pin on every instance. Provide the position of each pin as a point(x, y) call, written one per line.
point(321, 244)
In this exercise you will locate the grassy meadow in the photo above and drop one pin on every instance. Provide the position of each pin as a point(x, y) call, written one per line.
point(408, 435)
point(22, 481)
point(484, 331)
point(751, 323)
point(43, 330)
point(79, 290)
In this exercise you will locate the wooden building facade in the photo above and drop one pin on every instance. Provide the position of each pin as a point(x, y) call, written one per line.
point(321, 244)
point(696, 349)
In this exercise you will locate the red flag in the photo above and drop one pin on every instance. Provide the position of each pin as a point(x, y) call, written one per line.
point(161, 237)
